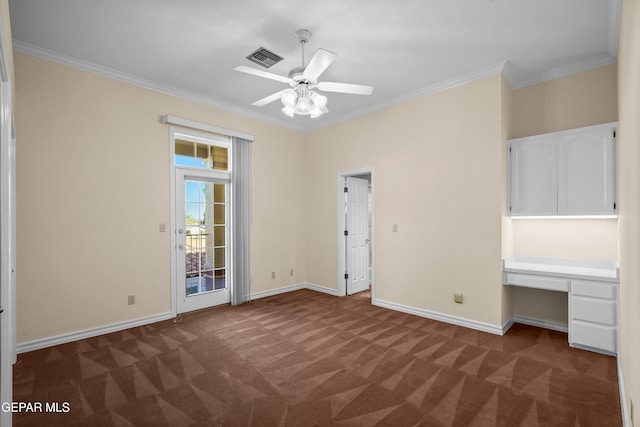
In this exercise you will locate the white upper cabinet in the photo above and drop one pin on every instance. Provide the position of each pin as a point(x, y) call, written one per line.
point(586, 173)
point(563, 173)
point(534, 186)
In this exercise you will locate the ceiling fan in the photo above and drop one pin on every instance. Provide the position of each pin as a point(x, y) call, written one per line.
point(300, 98)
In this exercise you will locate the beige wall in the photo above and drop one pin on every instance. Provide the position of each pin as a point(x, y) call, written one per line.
point(629, 194)
point(93, 177)
point(582, 99)
point(579, 100)
point(438, 175)
point(580, 238)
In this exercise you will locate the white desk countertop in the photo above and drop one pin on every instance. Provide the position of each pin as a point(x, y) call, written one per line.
point(564, 267)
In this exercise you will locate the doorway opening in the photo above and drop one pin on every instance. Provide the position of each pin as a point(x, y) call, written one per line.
point(356, 232)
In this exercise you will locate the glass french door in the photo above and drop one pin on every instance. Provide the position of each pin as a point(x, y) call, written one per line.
point(202, 240)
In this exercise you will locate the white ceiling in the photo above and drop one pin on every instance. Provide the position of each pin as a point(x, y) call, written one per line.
point(403, 48)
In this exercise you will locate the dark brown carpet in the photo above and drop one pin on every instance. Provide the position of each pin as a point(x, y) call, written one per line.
point(306, 358)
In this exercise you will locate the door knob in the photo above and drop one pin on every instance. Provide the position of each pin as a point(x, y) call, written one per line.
point(366, 241)
point(181, 247)
point(180, 231)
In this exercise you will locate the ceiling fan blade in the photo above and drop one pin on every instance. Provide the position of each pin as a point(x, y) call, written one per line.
point(270, 98)
point(345, 88)
point(260, 73)
point(320, 61)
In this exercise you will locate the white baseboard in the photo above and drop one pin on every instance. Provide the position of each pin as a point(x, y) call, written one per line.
point(88, 333)
point(508, 324)
point(291, 288)
point(277, 291)
point(623, 394)
point(115, 327)
point(322, 289)
point(546, 324)
point(455, 320)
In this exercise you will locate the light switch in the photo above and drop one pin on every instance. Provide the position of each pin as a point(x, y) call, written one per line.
point(162, 228)
point(395, 228)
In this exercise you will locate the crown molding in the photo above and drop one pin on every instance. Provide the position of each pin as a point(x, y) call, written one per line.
point(418, 93)
point(567, 70)
point(504, 67)
point(90, 67)
point(510, 74)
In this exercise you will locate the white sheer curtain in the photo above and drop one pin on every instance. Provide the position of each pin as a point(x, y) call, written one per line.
point(241, 208)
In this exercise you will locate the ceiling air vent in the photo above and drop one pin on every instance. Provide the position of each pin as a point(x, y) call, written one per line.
point(264, 57)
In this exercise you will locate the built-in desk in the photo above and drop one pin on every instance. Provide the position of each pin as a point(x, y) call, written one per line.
point(592, 286)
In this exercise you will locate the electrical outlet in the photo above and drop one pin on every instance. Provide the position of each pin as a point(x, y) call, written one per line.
point(395, 228)
point(162, 227)
point(291, 272)
point(273, 274)
point(132, 299)
point(457, 297)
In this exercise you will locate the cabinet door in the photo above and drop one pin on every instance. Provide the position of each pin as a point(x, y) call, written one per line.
point(586, 173)
point(533, 176)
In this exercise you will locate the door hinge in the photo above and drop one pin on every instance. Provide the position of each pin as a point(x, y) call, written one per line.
point(614, 133)
point(346, 189)
point(346, 232)
point(509, 149)
point(509, 208)
point(346, 276)
point(614, 205)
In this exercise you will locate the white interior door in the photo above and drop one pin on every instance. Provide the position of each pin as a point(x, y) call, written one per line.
point(202, 240)
point(358, 235)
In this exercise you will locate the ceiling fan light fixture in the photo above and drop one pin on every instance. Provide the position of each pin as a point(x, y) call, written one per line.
point(315, 113)
point(289, 111)
point(289, 99)
point(304, 103)
point(303, 106)
point(318, 100)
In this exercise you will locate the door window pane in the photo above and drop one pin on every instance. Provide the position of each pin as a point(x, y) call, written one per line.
point(219, 193)
point(205, 236)
point(220, 279)
point(219, 211)
point(201, 155)
point(184, 153)
point(219, 235)
point(220, 157)
point(220, 258)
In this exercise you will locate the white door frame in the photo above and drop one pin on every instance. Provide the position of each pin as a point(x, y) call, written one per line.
point(342, 175)
point(191, 134)
point(7, 235)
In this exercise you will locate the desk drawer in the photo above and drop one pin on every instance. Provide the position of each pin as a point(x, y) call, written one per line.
point(593, 289)
point(538, 282)
point(596, 336)
point(593, 310)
